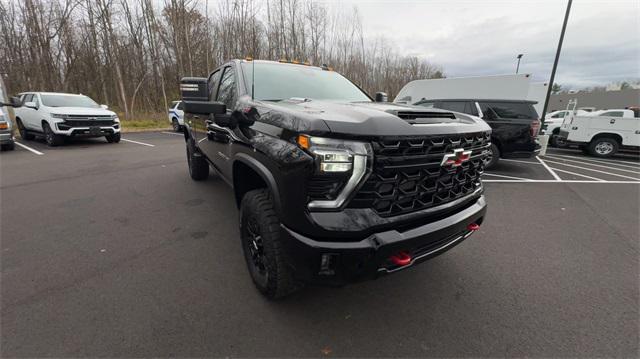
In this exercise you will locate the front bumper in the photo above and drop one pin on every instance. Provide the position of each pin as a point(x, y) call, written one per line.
point(87, 131)
point(347, 262)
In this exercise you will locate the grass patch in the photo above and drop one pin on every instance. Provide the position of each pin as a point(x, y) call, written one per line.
point(151, 121)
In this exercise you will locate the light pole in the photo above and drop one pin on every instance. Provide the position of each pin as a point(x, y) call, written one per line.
point(518, 66)
point(555, 62)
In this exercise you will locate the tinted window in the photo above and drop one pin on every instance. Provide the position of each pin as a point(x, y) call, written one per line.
point(213, 84)
point(558, 115)
point(516, 110)
point(613, 114)
point(457, 106)
point(275, 81)
point(227, 89)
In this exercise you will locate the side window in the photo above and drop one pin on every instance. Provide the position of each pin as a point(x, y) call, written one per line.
point(213, 84)
point(613, 114)
point(180, 106)
point(227, 89)
point(28, 97)
point(457, 106)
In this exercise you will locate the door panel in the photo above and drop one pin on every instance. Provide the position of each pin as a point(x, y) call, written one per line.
point(216, 146)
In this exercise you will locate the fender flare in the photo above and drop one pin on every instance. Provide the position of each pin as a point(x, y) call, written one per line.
point(264, 173)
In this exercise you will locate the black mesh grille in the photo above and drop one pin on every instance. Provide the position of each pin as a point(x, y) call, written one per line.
point(88, 123)
point(407, 174)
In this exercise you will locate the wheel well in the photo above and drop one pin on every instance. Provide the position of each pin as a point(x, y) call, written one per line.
point(496, 142)
point(615, 136)
point(556, 131)
point(245, 179)
point(43, 122)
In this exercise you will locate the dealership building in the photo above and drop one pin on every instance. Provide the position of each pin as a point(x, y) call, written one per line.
point(601, 100)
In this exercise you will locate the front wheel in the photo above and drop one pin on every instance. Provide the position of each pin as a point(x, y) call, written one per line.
point(603, 147)
point(198, 166)
point(113, 138)
point(51, 138)
point(493, 157)
point(176, 125)
point(263, 246)
point(24, 134)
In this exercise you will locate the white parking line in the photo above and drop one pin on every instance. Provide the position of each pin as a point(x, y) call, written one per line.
point(518, 161)
point(594, 164)
point(577, 174)
point(593, 170)
point(611, 162)
point(555, 175)
point(140, 143)
point(29, 148)
point(503, 176)
point(172, 133)
point(561, 181)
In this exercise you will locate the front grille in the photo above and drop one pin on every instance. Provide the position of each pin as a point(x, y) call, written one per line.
point(86, 122)
point(407, 174)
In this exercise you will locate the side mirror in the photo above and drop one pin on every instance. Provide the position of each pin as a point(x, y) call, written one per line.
point(104, 107)
point(381, 97)
point(13, 102)
point(31, 105)
point(195, 97)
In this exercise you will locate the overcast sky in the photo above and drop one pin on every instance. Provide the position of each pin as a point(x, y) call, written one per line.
point(471, 38)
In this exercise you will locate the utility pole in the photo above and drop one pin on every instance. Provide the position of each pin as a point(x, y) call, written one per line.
point(518, 66)
point(555, 62)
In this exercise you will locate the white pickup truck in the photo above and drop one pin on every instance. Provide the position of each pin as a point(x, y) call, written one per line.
point(603, 133)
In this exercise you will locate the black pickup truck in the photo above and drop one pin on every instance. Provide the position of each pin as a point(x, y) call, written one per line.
point(332, 186)
point(515, 124)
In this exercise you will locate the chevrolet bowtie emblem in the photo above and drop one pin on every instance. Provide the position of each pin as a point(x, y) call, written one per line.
point(457, 158)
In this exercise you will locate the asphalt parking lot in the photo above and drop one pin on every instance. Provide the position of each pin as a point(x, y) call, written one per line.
point(111, 250)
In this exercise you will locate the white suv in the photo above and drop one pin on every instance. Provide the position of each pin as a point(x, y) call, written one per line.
point(59, 115)
point(176, 115)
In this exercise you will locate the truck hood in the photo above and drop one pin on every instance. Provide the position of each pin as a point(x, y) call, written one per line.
point(80, 111)
point(366, 119)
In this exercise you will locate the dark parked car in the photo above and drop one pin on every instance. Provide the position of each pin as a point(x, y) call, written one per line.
point(332, 187)
point(515, 124)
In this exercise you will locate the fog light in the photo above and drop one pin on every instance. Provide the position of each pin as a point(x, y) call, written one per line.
point(328, 263)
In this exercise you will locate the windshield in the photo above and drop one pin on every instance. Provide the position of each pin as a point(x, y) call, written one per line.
point(68, 101)
point(274, 81)
point(516, 110)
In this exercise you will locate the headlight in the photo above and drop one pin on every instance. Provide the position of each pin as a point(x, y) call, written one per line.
point(115, 118)
point(347, 160)
point(59, 116)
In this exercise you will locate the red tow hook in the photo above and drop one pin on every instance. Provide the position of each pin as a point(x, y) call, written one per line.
point(473, 227)
point(401, 259)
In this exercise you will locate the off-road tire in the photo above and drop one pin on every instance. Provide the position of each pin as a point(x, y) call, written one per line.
point(278, 280)
point(603, 147)
point(495, 156)
point(176, 125)
point(113, 138)
point(198, 166)
point(51, 138)
point(24, 134)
